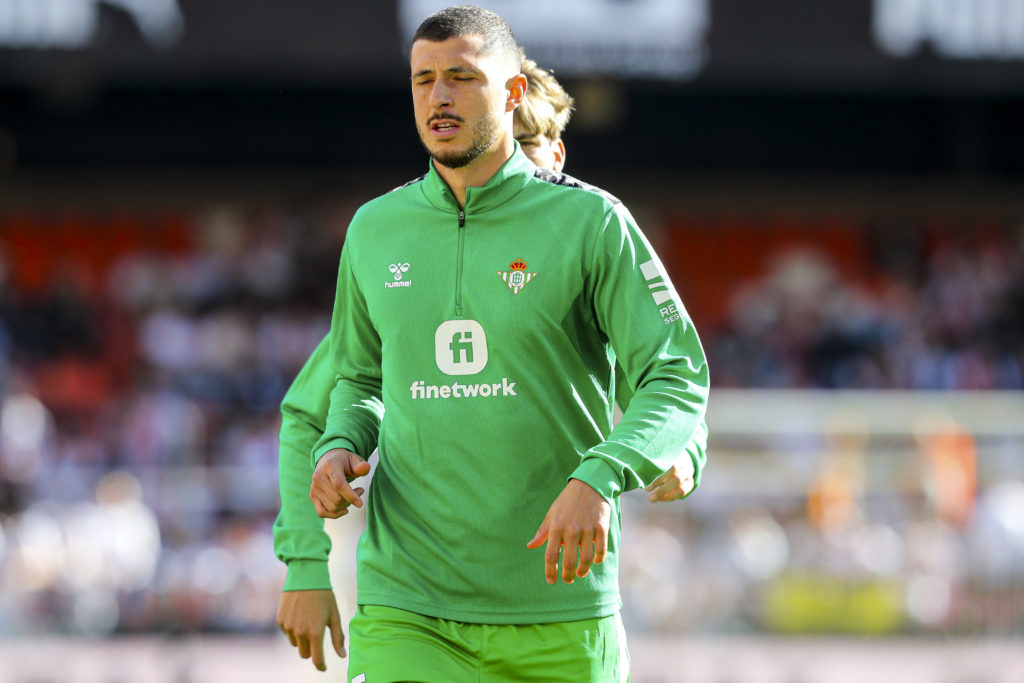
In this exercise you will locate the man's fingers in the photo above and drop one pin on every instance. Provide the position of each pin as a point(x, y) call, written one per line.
point(316, 646)
point(329, 501)
point(359, 491)
point(322, 504)
point(570, 555)
point(551, 554)
point(670, 489)
point(346, 495)
point(539, 537)
point(327, 514)
point(304, 615)
point(330, 489)
point(337, 636)
point(321, 490)
point(575, 521)
point(586, 558)
point(345, 491)
point(284, 629)
point(673, 489)
point(662, 494)
point(343, 472)
point(600, 546)
point(657, 482)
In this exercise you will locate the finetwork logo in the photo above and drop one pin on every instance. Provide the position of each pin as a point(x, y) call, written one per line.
point(398, 270)
point(460, 347)
point(420, 389)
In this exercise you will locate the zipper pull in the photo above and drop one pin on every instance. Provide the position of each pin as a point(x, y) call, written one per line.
point(462, 218)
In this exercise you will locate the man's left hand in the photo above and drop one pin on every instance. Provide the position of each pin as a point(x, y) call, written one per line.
point(578, 520)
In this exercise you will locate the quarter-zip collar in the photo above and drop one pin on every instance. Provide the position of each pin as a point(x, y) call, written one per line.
point(505, 184)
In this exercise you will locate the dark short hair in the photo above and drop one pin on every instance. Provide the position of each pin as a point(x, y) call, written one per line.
point(467, 20)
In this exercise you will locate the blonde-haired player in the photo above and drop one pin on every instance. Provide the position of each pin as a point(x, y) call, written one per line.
point(541, 118)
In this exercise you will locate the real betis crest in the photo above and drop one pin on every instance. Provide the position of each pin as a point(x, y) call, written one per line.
point(516, 276)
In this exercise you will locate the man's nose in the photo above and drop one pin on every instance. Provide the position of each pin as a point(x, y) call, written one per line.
point(440, 94)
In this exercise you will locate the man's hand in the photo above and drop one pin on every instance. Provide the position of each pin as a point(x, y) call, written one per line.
point(303, 615)
point(577, 520)
point(330, 490)
point(674, 484)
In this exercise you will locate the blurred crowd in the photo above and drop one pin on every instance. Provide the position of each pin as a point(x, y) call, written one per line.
point(839, 531)
point(896, 304)
point(140, 388)
point(142, 360)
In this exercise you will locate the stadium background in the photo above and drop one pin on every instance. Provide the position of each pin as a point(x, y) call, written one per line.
point(836, 188)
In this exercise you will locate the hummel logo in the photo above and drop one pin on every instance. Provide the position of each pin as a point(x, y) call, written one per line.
point(397, 269)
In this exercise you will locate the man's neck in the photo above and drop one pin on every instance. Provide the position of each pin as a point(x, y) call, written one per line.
point(476, 173)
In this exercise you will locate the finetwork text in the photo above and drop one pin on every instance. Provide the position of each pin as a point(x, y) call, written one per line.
point(420, 389)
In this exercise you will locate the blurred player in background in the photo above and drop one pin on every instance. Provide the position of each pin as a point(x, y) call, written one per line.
point(308, 604)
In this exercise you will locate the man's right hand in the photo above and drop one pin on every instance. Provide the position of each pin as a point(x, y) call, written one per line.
point(330, 490)
point(303, 615)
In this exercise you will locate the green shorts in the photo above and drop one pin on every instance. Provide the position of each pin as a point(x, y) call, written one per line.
point(388, 645)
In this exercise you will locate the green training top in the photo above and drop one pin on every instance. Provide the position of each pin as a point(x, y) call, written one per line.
point(299, 537)
point(484, 339)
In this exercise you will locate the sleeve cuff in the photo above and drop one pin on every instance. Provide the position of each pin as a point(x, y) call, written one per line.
point(600, 476)
point(339, 442)
point(307, 575)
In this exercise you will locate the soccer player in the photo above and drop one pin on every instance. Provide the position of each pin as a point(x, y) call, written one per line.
point(497, 378)
point(308, 605)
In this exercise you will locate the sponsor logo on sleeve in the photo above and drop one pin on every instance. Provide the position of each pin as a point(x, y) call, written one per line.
point(662, 291)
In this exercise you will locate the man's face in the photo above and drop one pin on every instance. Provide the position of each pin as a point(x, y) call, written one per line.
point(541, 150)
point(459, 98)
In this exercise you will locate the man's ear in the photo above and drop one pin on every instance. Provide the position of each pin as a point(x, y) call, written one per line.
point(558, 147)
point(516, 87)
